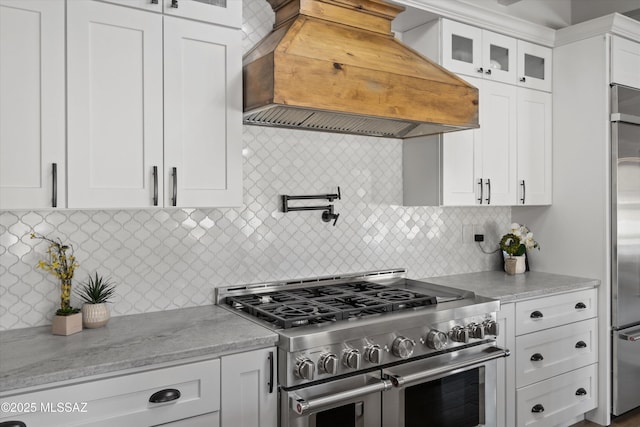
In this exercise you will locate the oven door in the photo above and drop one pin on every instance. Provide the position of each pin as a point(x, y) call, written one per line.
point(455, 389)
point(349, 402)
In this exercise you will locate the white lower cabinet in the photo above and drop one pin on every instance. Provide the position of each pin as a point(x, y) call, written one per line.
point(250, 389)
point(185, 395)
point(556, 358)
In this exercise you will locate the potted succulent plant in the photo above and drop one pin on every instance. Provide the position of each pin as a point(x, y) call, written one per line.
point(96, 292)
point(62, 263)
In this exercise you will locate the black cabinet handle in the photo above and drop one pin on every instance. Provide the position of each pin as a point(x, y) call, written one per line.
point(537, 409)
point(581, 392)
point(581, 344)
point(488, 199)
point(524, 191)
point(13, 423)
point(536, 315)
point(536, 357)
point(174, 4)
point(480, 70)
point(270, 383)
point(155, 186)
point(581, 306)
point(166, 395)
point(488, 71)
point(54, 191)
point(154, 1)
point(174, 198)
point(481, 190)
point(522, 79)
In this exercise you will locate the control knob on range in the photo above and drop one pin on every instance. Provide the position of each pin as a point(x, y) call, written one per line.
point(490, 327)
point(402, 347)
point(304, 368)
point(459, 334)
point(351, 358)
point(328, 363)
point(437, 340)
point(476, 330)
point(373, 353)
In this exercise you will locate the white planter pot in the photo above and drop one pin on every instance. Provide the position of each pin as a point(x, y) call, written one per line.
point(95, 315)
point(515, 264)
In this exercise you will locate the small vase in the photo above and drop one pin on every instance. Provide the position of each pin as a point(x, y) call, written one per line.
point(515, 264)
point(66, 325)
point(95, 315)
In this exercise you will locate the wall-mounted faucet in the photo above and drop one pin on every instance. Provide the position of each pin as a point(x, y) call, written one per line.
point(328, 214)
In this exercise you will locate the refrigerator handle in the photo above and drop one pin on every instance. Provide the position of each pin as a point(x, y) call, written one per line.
point(630, 336)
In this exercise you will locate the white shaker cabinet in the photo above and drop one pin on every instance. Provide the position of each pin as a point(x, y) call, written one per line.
point(32, 104)
point(625, 62)
point(114, 106)
point(534, 66)
point(534, 147)
point(154, 110)
point(250, 389)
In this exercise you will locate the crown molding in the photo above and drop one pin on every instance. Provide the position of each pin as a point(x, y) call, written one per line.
point(614, 23)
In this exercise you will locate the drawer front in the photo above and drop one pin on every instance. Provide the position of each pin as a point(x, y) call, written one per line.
point(558, 399)
point(547, 353)
point(124, 400)
point(548, 312)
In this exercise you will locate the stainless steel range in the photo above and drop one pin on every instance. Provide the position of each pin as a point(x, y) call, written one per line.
point(352, 345)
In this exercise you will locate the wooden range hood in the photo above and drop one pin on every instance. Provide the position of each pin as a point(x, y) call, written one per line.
point(335, 66)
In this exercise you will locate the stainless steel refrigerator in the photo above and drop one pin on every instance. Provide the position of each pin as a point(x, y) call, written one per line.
point(625, 231)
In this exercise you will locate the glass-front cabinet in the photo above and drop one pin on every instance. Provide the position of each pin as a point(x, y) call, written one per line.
point(476, 52)
point(534, 66)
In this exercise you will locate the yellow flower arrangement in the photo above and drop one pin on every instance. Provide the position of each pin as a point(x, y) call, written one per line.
point(62, 265)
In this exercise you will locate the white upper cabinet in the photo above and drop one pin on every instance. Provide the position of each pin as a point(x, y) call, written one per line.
point(221, 12)
point(476, 52)
point(534, 66)
point(534, 147)
point(202, 107)
point(114, 106)
point(32, 104)
point(154, 110)
point(625, 62)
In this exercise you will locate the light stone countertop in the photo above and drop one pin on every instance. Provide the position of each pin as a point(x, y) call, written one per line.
point(506, 288)
point(33, 356)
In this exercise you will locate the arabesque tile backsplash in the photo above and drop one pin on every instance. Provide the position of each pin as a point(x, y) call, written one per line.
point(173, 258)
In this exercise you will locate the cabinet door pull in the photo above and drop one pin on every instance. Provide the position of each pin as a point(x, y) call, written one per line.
point(488, 199)
point(537, 409)
point(481, 190)
point(154, 1)
point(166, 395)
point(54, 191)
point(488, 71)
point(174, 4)
point(174, 197)
point(581, 392)
point(581, 306)
point(12, 424)
point(155, 186)
point(522, 79)
point(581, 344)
point(536, 315)
point(480, 70)
point(524, 191)
point(536, 357)
point(270, 383)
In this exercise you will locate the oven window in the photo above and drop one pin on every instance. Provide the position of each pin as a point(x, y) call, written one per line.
point(453, 401)
point(342, 416)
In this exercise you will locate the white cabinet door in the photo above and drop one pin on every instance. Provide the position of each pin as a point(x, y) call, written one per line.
point(506, 366)
point(32, 104)
point(498, 57)
point(534, 66)
point(625, 62)
point(222, 12)
point(248, 400)
point(499, 157)
point(534, 147)
point(461, 48)
point(114, 105)
point(203, 114)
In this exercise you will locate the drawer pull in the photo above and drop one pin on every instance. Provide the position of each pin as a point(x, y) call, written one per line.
point(581, 306)
point(537, 357)
point(536, 315)
point(581, 344)
point(537, 409)
point(166, 395)
point(12, 424)
point(581, 392)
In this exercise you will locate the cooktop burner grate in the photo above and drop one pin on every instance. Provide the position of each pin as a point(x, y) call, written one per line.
point(321, 304)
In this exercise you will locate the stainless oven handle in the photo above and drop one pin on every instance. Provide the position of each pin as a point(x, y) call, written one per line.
point(488, 354)
point(300, 405)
